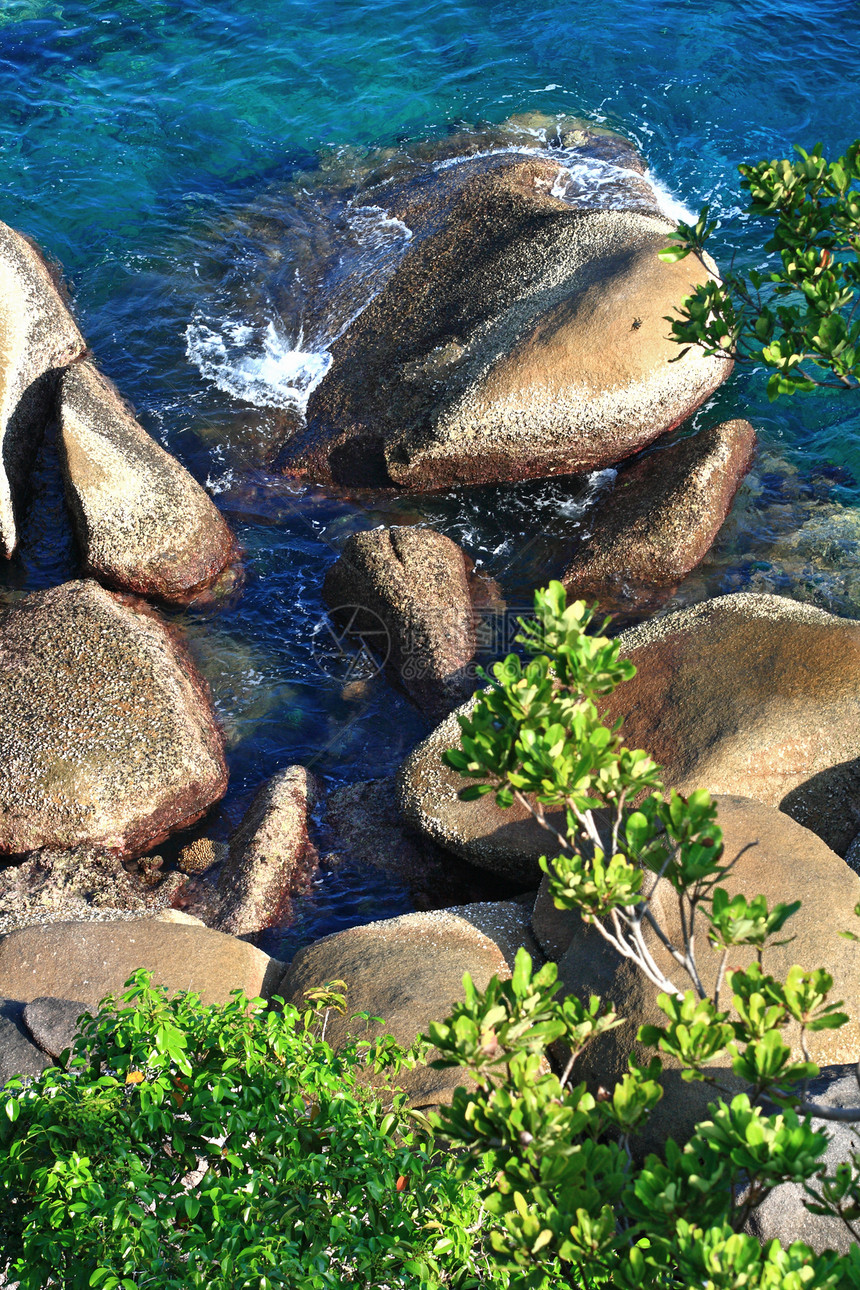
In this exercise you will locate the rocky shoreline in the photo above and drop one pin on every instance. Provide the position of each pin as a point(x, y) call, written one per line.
point(518, 336)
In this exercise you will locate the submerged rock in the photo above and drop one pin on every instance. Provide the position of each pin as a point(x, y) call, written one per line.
point(752, 694)
point(39, 338)
point(107, 736)
point(143, 523)
point(270, 855)
point(414, 583)
point(662, 516)
point(520, 335)
point(86, 961)
point(409, 971)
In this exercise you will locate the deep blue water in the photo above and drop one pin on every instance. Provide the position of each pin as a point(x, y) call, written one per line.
point(162, 151)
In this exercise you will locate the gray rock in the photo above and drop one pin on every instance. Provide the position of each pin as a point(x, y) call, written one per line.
point(108, 735)
point(783, 1215)
point(270, 855)
point(53, 1022)
point(143, 523)
point(18, 1056)
point(38, 338)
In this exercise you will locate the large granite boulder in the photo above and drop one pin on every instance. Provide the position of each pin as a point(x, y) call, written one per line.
point(661, 517)
point(38, 338)
point(507, 842)
point(107, 737)
point(143, 523)
point(86, 961)
point(270, 855)
point(521, 335)
point(752, 694)
point(415, 583)
point(786, 862)
point(409, 971)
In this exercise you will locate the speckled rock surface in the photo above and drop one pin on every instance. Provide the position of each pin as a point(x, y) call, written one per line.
point(86, 961)
point(507, 842)
point(519, 336)
point(52, 1023)
point(51, 886)
point(38, 337)
point(752, 694)
point(143, 523)
point(107, 737)
point(369, 829)
point(409, 971)
point(270, 855)
point(788, 863)
point(661, 517)
point(783, 1216)
point(415, 582)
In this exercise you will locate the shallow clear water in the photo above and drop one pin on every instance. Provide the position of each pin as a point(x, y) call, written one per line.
point(186, 162)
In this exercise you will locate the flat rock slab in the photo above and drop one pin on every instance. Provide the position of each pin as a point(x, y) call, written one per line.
point(406, 592)
point(53, 1023)
point(143, 523)
point(86, 961)
point(756, 695)
point(521, 335)
point(409, 971)
point(108, 737)
point(38, 338)
point(661, 517)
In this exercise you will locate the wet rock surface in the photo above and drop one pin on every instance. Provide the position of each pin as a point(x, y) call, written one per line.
point(83, 883)
point(406, 593)
point(661, 517)
point(518, 337)
point(108, 736)
point(270, 855)
point(752, 694)
point(143, 523)
point(38, 338)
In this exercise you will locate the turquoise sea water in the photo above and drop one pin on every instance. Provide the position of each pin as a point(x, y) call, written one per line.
point(174, 157)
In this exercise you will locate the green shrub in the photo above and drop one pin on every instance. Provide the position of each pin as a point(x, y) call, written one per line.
point(199, 1147)
point(564, 1185)
point(798, 318)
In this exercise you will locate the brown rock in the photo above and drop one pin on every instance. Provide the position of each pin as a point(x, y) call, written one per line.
point(756, 695)
point(38, 338)
point(519, 336)
point(787, 863)
point(508, 842)
point(662, 516)
point(414, 583)
point(86, 961)
point(409, 971)
point(270, 855)
point(108, 736)
point(143, 523)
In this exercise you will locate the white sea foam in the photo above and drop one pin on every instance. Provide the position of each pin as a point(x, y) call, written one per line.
point(259, 365)
point(671, 206)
